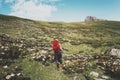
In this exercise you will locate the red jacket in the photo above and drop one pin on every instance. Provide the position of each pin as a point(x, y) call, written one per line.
point(56, 46)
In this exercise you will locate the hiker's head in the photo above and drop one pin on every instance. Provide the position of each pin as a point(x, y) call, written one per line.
point(55, 38)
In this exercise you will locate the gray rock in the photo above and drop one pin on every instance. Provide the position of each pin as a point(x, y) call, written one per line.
point(10, 76)
point(19, 74)
point(105, 77)
point(115, 52)
point(99, 79)
point(94, 74)
point(92, 18)
point(5, 67)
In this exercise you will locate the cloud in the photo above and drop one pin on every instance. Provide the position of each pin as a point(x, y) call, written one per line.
point(32, 9)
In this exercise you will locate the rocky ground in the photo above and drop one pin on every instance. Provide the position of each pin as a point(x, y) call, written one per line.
point(13, 50)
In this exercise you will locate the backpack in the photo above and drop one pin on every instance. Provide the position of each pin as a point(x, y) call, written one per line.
point(56, 46)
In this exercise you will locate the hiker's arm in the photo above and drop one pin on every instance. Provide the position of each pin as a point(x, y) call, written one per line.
point(61, 49)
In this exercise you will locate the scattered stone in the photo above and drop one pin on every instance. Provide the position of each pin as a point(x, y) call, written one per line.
point(5, 67)
point(2, 47)
point(75, 78)
point(18, 74)
point(43, 52)
point(111, 63)
point(99, 79)
point(10, 76)
point(2, 53)
point(94, 74)
point(105, 77)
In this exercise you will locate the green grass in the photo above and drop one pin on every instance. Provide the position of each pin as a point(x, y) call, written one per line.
point(37, 71)
point(83, 48)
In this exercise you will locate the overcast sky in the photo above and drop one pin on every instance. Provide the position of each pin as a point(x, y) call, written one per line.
point(61, 10)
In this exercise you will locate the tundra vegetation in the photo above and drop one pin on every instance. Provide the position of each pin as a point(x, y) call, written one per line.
point(26, 54)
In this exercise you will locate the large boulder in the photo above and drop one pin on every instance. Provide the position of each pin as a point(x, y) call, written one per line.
point(114, 52)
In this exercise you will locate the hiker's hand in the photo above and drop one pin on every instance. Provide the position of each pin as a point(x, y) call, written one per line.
point(61, 51)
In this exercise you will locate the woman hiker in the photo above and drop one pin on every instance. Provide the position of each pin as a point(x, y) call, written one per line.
point(57, 53)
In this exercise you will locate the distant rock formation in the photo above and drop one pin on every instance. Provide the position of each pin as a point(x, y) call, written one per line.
point(92, 18)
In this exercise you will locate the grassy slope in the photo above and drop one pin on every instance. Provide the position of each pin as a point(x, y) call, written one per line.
point(90, 38)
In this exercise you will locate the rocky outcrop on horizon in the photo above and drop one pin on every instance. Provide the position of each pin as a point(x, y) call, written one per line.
point(93, 18)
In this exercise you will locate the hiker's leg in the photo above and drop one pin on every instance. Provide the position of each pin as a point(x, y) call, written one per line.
point(58, 64)
point(56, 58)
point(60, 60)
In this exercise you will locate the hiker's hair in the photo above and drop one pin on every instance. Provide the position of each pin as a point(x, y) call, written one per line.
point(56, 39)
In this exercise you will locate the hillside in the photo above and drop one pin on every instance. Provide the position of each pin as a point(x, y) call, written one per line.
point(94, 36)
point(87, 38)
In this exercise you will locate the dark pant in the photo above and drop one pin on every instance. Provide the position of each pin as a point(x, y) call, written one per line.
point(58, 58)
